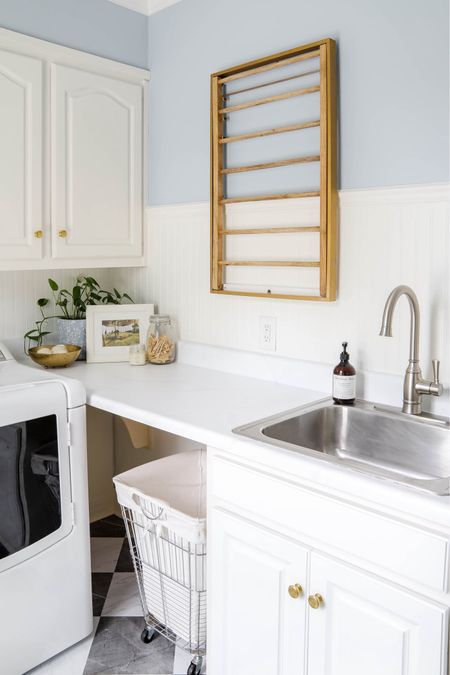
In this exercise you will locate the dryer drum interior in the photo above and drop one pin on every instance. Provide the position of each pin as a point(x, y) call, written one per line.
point(30, 495)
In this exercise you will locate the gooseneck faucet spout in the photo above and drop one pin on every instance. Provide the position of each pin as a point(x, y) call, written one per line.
point(414, 387)
point(414, 330)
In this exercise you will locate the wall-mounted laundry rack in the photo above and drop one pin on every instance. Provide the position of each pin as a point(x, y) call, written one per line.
point(273, 83)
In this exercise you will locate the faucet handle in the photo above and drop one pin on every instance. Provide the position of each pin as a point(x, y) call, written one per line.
point(436, 387)
point(436, 363)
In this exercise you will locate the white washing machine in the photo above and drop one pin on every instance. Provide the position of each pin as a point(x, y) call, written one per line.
point(45, 580)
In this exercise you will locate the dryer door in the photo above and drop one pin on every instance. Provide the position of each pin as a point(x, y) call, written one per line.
point(35, 490)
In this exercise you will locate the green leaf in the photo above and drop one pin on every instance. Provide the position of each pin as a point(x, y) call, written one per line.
point(42, 302)
point(125, 295)
point(117, 293)
point(53, 285)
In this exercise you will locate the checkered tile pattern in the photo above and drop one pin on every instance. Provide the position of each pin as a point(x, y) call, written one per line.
point(115, 645)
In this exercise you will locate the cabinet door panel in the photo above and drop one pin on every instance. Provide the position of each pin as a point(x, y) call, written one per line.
point(367, 626)
point(97, 146)
point(255, 626)
point(20, 157)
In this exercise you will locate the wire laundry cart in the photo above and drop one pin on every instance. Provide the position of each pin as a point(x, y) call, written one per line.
point(164, 509)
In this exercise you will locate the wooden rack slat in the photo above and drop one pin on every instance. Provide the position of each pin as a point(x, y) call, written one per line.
point(272, 230)
point(270, 263)
point(270, 294)
point(270, 132)
point(269, 66)
point(270, 99)
point(262, 198)
point(272, 165)
point(267, 84)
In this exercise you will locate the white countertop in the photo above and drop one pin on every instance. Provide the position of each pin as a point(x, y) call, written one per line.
point(198, 403)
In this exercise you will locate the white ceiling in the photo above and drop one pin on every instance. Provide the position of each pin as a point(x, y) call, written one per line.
point(145, 6)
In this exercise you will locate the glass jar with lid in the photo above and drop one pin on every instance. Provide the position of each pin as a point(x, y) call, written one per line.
point(161, 342)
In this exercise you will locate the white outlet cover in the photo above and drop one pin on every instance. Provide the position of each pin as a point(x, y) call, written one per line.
point(268, 333)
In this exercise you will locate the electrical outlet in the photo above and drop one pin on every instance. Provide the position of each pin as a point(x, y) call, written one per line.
point(268, 333)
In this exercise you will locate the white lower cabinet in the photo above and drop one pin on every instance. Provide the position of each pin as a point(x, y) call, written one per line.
point(345, 620)
point(259, 627)
point(366, 626)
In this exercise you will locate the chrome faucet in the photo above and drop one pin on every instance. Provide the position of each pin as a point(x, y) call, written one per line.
point(414, 387)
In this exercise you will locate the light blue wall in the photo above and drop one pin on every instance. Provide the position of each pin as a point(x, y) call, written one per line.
point(393, 82)
point(393, 76)
point(95, 26)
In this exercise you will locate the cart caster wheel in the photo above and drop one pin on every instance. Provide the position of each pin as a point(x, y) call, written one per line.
point(147, 635)
point(194, 669)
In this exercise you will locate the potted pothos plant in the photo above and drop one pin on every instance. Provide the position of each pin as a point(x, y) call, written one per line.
point(70, 311)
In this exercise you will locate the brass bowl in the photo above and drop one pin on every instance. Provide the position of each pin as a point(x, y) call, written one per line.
point(57, 360)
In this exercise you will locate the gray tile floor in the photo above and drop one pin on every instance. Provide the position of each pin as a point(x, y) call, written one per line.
point(117, 648)
point(115, 645)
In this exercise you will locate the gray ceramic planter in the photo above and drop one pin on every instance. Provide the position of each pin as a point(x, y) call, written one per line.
point(73, 332)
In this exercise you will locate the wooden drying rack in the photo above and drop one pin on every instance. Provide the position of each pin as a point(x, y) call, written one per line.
point(220, 108)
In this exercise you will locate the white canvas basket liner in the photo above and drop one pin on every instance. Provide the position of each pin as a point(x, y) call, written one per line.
point(170, 491)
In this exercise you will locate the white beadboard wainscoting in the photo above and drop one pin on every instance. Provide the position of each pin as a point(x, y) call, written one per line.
point(19, 292)
point(388, 236)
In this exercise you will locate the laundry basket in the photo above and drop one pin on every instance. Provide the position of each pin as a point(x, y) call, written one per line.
point(164, 509)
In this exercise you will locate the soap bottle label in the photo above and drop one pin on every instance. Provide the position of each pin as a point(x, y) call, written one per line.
point(344, 387)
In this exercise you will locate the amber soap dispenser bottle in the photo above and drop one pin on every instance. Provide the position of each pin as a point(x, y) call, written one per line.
point(344, 380)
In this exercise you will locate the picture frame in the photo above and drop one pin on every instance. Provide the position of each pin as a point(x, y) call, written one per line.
point(111, 329)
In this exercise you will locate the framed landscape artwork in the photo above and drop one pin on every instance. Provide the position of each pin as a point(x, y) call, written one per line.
point(112, 329)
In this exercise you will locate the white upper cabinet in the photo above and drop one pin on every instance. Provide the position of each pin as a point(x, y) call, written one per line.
point(72, 165)
point(21, 133)
point(96, 183)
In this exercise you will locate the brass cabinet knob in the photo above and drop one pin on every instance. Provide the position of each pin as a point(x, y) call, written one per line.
point(62, 234)
point(315, 600)
point(38, 234)
point(295, 590)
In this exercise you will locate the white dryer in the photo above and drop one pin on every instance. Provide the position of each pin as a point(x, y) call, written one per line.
point(45, 580)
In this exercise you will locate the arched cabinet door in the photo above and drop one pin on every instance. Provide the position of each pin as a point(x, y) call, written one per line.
point(96, 165)
point(21, 217)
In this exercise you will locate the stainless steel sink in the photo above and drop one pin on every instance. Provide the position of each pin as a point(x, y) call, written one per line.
point(413, 451)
